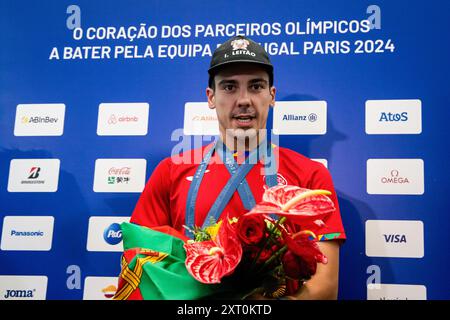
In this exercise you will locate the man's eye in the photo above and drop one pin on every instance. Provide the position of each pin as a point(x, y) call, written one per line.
point(257, 86)
point(228, 87)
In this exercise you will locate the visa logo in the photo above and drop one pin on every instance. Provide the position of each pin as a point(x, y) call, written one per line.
point(389, 116)
point(394, 238)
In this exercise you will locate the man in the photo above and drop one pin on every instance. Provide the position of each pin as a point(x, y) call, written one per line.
point(241, 90)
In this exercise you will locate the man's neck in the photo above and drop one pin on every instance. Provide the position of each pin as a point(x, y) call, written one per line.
point(242, 144)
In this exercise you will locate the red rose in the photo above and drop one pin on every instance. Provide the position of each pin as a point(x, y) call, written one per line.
point(298, 268)
point(251, 228)
point(300, 261)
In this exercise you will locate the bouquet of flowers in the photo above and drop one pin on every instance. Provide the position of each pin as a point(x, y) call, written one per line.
point(269, 250)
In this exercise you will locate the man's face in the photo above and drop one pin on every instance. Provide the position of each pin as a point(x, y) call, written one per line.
point(242, 97)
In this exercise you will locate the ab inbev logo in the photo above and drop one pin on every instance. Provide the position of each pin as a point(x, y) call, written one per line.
point(122, 119)
point(99, 288)
point(29, 233)
point(395, 176)
point(39, 119)
point(199, 119)
point(393, 116)
point(394, 238)
point(396, 292)
point(23, 287)
point(300, 117)
point(104, 233)
point(119, 175)
point(33, 175)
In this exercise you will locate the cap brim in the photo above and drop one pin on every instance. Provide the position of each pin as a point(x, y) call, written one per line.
point(239, 61)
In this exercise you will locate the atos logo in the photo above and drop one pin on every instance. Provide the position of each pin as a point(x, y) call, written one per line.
point(389, 116)
point(113, 234)
point(394, 238)
point(19, 294)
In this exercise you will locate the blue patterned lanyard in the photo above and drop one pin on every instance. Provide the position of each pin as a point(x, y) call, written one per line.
point(237, 181)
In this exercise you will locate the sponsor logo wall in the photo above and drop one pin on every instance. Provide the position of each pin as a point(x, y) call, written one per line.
point(78, 147)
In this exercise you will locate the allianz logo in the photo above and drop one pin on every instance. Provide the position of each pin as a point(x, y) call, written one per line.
point(395, 238)
point(19, 293)
point(38, 119)
point(312, 117)
point(393, 117)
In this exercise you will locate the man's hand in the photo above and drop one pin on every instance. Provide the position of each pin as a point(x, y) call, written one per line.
point(324, 284)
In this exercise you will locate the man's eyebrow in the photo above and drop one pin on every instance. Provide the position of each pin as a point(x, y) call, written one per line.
point(225, 81)
point(259, 80)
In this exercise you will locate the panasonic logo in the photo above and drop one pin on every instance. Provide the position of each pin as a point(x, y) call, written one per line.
point(27, 233)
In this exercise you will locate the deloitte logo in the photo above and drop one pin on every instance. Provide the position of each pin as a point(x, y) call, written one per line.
point(113, 234)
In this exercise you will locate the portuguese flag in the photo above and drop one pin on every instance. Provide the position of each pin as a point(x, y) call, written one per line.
point(153, 266)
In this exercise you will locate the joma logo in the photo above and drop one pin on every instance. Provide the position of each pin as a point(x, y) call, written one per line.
point(19, 294)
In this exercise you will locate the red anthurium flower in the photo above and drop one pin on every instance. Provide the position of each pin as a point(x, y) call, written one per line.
point(251, 228)
point(209, 261)
point(299, 205)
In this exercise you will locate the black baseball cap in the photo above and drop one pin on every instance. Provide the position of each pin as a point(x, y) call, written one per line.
point(239, 49)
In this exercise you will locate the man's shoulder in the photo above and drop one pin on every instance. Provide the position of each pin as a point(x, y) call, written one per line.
point(291, 156)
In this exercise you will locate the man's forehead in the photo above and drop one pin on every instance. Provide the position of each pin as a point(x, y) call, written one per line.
point(250, 70)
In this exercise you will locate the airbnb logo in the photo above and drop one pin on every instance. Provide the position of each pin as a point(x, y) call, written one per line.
point(113, 119)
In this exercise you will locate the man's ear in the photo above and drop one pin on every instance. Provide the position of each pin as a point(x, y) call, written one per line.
point(273, 92)
point(211, 98)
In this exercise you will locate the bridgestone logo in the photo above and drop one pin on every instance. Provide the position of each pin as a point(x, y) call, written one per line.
point(32, 182)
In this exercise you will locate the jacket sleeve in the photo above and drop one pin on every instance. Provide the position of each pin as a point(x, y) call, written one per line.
point(333, 229)
point(153, 206)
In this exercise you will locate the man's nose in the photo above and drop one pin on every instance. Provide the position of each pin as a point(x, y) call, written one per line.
point(244, 98)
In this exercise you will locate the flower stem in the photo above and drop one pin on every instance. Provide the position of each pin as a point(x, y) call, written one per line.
point(266, 241)
point(276, 255)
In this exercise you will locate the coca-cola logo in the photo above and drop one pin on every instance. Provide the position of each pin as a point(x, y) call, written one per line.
point(394, 178)
point(119, 171)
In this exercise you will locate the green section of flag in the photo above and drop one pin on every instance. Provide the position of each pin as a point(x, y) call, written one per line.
point(167, 279)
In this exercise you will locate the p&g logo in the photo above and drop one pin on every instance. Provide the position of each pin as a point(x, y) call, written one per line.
point(113, 234)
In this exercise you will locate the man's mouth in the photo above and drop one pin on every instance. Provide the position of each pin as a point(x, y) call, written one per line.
point(244, 120)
